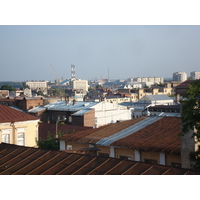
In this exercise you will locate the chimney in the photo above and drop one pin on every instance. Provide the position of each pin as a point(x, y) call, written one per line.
point(67, 99)
point(74, 101)
point(177, 98)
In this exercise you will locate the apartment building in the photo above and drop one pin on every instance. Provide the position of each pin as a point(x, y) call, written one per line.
point(37, 84)
point(78, 84)
point(148, 79)
point(195, 75)
point(179, 76)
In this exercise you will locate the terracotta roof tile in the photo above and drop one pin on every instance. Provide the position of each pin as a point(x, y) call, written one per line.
point(8, 114)
point(19, 160)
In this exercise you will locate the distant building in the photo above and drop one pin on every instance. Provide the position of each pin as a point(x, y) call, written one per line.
point(195, 75)
point(83, 113)
point(37, 85)
point(4, 93)
point(148, 79)
point(179, 76)
point(79, 86)
point(27, 92)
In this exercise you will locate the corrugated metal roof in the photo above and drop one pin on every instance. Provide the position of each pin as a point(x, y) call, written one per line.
point(81, 112)
point(65, 81)
point(20, 160)
point(37, 109)
point(128, 131)
point(159, 97)
point(79, 105)
point(162, 135)
point(8, 114)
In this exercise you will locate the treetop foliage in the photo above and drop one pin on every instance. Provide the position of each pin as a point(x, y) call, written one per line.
point(191, 109)
point(7, 87)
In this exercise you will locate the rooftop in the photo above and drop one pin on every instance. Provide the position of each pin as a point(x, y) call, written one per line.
point(152, 133)
point(61, 105)
point(8, 114)
point(20, 160)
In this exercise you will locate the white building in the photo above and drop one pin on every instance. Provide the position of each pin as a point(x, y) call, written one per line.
point(179, 76)
point(149, 79)
point(34, 85)
point(27, 92)
point(132, 85)
point(195, 75)
point(106, 113)
point(79, 84)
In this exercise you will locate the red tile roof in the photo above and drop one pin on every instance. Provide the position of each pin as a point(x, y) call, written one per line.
point(20, 160)
point(160, 136)
point(184, 84)
point(46, 129)
point(8, 114)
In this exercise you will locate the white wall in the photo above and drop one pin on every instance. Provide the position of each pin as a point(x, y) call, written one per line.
point(106, 113)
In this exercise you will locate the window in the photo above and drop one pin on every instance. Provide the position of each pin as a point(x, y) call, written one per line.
point(69, 147)
point(125, 157)
point(6, 138)
point(70, 119)
point(104, 154)
point(6, 135)
point(150, 161)
point(20, 139)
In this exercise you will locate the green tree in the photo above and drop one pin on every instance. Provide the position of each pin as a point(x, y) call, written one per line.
point(7, 87)
point(190, 117)
point(51, 143)
point(59, 92)
point(40, 93)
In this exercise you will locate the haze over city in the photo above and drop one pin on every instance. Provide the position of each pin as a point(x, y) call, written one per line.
point(120, 51)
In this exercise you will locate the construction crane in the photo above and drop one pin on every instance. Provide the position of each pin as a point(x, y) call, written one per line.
point(54, 71)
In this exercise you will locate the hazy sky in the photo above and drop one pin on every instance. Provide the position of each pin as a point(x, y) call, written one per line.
point(27, 52)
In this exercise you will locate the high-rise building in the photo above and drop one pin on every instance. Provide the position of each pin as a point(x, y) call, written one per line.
point(195, 75)
point(179, 76)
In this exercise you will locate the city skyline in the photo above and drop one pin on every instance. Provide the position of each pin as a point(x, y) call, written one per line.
point(97, 51)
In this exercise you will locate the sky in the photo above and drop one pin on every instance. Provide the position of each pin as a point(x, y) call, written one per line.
point(28, 52)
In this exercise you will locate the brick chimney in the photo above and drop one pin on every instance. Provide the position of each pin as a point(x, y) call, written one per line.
point(74, 101)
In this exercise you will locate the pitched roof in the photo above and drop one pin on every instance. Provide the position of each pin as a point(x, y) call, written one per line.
point(79, 105)
point(159, 97)
point(184, 84)
point(152, 134)
point(46, 129)
point(162, 136)
point(8, 114)
point(20, 160)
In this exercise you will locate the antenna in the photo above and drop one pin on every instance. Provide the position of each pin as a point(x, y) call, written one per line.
point(108, 74)
point(72, 71)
